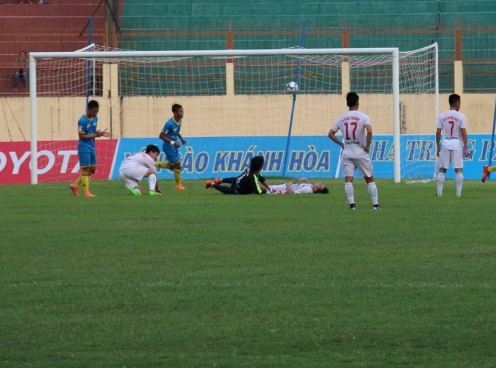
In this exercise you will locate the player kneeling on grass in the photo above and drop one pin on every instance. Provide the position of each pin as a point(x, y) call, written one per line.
point(298, 186)
point(139, 166)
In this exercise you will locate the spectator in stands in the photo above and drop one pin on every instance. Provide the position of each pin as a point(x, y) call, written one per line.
point(21, 75)
point(29, 2)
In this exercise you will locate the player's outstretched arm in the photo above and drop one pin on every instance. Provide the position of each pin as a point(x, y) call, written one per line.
point(265, 184)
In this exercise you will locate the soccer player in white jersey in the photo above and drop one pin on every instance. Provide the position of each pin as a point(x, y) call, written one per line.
point(452, 125)
point(298, 186)
point(355, 149)
point(141, 165)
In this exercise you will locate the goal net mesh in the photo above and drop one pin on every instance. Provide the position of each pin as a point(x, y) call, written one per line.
point(238, 96)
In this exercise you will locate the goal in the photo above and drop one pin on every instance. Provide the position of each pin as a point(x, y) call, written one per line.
point(236, 105)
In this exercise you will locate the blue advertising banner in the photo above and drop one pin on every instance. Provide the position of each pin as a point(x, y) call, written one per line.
point(309, 156)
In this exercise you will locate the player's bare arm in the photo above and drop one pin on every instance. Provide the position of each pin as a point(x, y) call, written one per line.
point(97, 134)
point(264, 187)
point(289, 188)
point(438, 140)
point(332, 135)
point(368, 128)
point(265, 184)
point(183, 141)
point(104, 133)
point(463, 132)
point(302, 180)
point(166, 139)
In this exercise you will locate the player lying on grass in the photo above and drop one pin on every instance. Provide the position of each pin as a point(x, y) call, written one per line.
point(298, 186)
point(141, 165)
point(249, 182)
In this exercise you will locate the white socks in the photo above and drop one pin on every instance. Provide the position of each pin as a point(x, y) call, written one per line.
point(372, 188)
point(459, 184)
point(152, 181)
point(441, 177)
point(350, 193)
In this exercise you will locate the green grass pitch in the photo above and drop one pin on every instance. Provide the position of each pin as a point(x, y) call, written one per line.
point(201, 279)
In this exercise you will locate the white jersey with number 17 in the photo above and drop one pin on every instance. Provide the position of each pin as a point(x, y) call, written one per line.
point(352, 126)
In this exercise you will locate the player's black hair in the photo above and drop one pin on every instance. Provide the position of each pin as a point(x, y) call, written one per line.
point(453, 99)
point(176, 107)
point(257, 163)
point(322, 191)
point(93, 104)
point(352, 99)
point(152, 148)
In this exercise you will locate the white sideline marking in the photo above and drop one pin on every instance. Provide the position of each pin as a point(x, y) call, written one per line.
point(422, 181)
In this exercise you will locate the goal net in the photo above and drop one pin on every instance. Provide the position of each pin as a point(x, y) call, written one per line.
point(236, 105)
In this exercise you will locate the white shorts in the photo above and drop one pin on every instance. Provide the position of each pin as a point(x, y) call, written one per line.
point(363, 164)
point(455, 157)
point(277, 188)
point(132, 175)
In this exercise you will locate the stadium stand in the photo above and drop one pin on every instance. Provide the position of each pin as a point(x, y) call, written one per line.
point(464, 30)
point(55, 26)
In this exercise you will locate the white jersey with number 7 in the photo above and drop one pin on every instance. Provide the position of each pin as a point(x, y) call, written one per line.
point(451, 122)
point(352, 126)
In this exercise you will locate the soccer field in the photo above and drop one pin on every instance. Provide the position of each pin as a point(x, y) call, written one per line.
point(199, 279)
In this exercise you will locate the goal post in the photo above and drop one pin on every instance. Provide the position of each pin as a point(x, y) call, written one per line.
point(234, 93)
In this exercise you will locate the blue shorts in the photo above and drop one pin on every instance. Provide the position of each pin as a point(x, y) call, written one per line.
point(87, 159)
point(171, 153)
